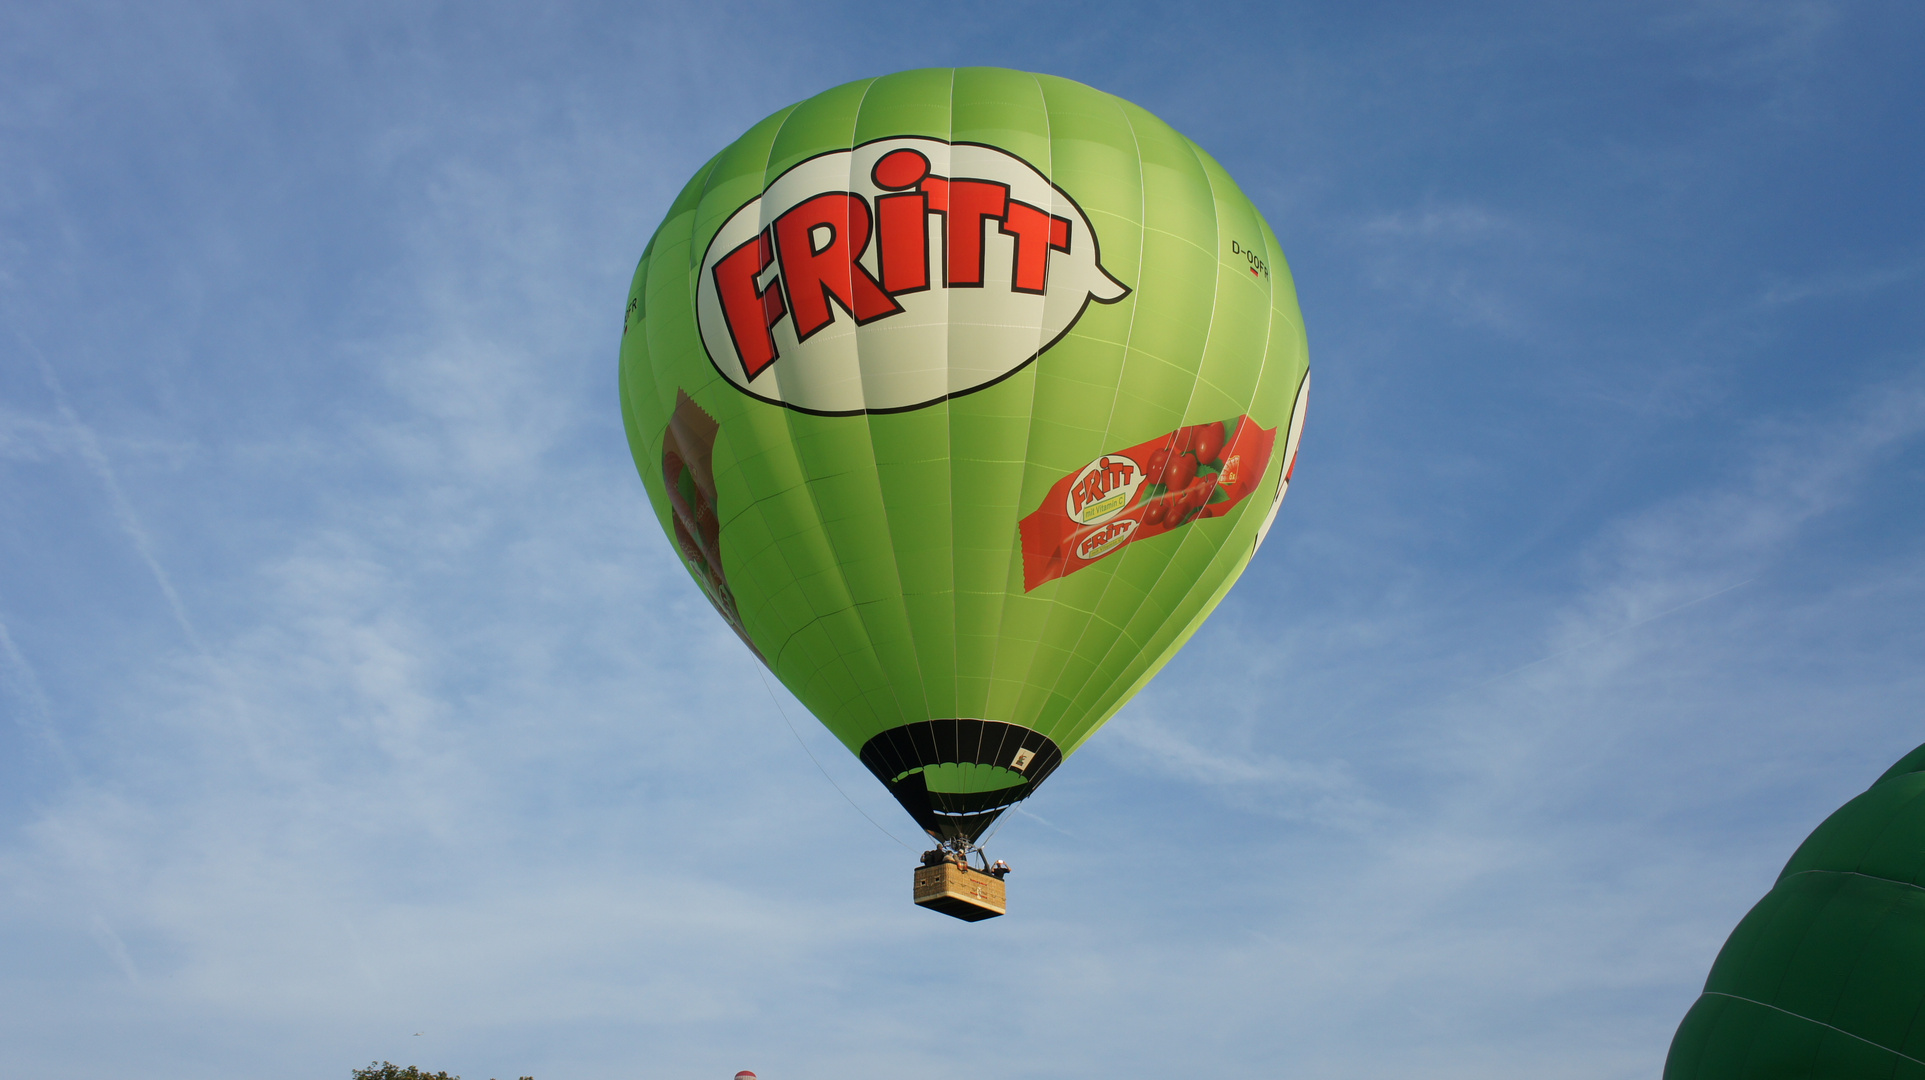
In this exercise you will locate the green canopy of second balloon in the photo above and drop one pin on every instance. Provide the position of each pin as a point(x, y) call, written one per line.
point(1825, 977)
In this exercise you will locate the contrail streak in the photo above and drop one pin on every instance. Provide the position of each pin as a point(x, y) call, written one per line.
point(103, 470)
point(97, 462)
point(37, 717)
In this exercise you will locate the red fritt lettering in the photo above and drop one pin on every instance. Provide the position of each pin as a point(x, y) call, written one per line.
point(817, 245)
point(903, 257)
point(902, 222)
point(1108, 475)
point(815, 274)
point(972, 204)
point(750, 311)
point(1098, 538)
point(899, 169)
point(1037, 232)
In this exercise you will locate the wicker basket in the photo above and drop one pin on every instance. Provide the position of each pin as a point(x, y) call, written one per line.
point(961, 891)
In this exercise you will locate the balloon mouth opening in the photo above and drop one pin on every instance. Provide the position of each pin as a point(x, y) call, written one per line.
point(965, 778)
point(957, 776)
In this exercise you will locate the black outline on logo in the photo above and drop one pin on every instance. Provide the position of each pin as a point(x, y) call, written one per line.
point(1097, 258)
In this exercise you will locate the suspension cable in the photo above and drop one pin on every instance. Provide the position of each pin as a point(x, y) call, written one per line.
point(818, 764)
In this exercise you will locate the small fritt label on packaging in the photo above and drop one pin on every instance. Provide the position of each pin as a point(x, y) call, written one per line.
point(1141, 492)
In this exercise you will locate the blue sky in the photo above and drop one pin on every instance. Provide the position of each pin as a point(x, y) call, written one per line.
point(349, 684)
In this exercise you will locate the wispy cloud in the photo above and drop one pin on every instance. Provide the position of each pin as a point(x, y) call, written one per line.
point(1776, 41)
point(87, 446)
point(1839, 284)
point(1799, 468)
point(35, 712)
point(1425, 254)
point(1326, 794)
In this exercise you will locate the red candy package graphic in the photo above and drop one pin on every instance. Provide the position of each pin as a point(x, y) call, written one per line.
point(1143, 491)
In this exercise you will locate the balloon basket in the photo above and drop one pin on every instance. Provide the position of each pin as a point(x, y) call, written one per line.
point(960, 891)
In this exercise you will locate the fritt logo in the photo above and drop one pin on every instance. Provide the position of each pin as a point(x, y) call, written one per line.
point(1103, 489)
point(896, 275)
point(1198, 472)
point(1101, 542)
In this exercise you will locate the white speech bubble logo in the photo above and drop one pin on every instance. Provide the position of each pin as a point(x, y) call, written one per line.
point(896, 275)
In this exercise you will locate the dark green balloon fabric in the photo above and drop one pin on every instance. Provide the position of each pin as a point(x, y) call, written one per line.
point(1826, 975)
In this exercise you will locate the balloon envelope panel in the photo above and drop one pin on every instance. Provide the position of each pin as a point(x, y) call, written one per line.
point(964, 395)
point(1825, 977)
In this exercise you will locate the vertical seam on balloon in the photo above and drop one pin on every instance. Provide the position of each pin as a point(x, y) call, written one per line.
point(788, 420)
point(1912, 1024)
point(690, 277)
point(1697, 1058)
point(1919, 1009)
point(1865, 945)
point(888, 525)
point(1806, 936)
point(665, 397)
point(1275, 253)
point(788, 640)
point(855, 607)
point(1190, 532)
point(1752, 945)
point(1183, 629)
point(949, 437)
point(1890, 824)
point(1029, 443)
point(1263, 367)
point(1129, 335)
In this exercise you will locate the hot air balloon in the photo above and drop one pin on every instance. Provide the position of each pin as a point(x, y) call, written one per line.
point(964, 395)
point(1825, 977)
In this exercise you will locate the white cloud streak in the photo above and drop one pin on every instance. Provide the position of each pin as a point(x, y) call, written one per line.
point(87, 446)
point(36, 713)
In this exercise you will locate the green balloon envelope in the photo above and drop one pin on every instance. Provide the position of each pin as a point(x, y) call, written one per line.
point(964, 395)
point(1825, 977)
